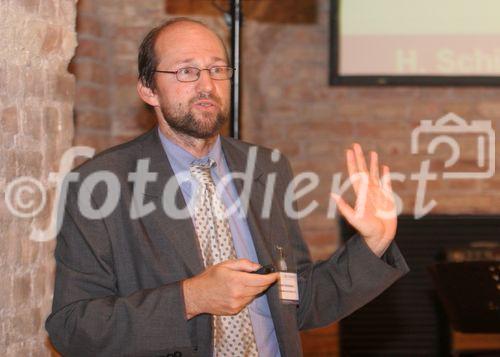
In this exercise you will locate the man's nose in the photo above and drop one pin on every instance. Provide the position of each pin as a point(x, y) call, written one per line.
point(205, 82)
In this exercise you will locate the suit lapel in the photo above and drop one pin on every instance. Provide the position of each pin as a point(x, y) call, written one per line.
point(180, 231)
point(264, 243)
point(237, 158)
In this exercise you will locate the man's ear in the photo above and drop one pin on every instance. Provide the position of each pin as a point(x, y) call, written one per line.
point(147, 94)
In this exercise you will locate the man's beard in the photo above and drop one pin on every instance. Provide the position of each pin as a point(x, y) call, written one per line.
point(187, 124)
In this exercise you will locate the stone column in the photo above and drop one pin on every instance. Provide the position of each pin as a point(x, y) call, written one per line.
point(36, 127)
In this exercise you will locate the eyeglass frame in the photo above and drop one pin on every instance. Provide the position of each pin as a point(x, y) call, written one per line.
point(199, 73)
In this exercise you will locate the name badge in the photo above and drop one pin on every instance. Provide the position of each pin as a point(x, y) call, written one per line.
point(288, 286)
point(289, 290)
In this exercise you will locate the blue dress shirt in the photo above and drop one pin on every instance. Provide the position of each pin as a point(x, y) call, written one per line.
point(180, 160)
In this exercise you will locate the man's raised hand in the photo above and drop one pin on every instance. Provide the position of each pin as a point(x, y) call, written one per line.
point(374, 215)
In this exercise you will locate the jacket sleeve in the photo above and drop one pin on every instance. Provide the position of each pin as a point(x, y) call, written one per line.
point(90, 318)
point(332, 289)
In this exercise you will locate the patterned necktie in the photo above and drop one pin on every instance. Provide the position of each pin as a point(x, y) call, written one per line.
point(233, 335)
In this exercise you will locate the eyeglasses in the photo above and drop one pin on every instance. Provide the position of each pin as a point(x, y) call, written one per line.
point(191, 74)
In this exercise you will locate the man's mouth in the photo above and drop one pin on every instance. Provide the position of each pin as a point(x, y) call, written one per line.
point(204, 104)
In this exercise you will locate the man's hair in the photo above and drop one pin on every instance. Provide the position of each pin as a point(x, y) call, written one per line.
point(147, 59)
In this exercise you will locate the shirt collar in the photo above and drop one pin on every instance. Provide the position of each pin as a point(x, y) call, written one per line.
point(180, 159)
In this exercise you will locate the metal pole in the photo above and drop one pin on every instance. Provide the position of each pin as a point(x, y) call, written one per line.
point(235, 60)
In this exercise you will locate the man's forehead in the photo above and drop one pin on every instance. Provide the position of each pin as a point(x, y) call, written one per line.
point(194, 59)
point(185, 41)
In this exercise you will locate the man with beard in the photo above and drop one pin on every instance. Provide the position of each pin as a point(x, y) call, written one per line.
point(140, 280)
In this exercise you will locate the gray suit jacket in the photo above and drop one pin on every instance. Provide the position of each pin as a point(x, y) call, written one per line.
point(117, 289)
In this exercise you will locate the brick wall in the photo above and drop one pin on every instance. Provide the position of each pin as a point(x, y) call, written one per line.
point(91, 69)
point(36, 103)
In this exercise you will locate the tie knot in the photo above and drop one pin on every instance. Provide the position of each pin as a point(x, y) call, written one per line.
point(201, 172)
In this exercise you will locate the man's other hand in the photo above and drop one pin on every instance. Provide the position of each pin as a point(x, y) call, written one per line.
point(225, 288)
point(374, 215)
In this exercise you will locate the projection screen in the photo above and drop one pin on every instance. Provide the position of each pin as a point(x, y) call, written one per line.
point(415, 42)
